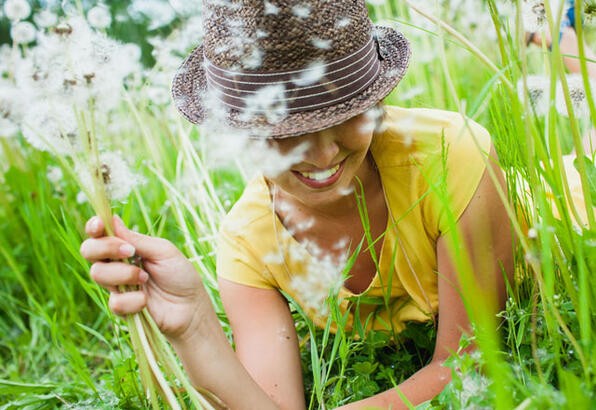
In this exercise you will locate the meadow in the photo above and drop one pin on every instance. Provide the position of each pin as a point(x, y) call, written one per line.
point(61, 347)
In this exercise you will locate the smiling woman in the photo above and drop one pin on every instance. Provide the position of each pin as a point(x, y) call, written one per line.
point(390, 199)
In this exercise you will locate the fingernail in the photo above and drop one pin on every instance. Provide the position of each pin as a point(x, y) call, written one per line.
point(127, 250)
point(143, 276)
point(94, 224)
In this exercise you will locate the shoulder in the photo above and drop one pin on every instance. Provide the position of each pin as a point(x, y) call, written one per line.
point(252, 209)
point(415, 135)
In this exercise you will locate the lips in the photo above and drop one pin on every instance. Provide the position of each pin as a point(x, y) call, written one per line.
point(322, 178)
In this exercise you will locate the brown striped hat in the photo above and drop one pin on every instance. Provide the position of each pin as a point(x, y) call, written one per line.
point(281, 68)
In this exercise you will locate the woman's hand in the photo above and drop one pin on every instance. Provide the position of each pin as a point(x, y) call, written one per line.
point(168, 284)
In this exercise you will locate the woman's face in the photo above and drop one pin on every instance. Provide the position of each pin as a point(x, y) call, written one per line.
point(332, 158)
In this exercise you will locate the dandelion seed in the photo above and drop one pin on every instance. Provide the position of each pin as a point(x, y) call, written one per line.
point(411, 93)
point(269, 161)
point(301, 11)
point(321, 43)
point(23, 32)
point(16, 10)
point(82, 198)
point(311, 75)
point(253, 59)
point(373, 119)
point(261, 33)
point(273, 258)
point(537, 93)
point(99, 17)
point(268, 101)
point(271, 8)
point(45, 18)
point(54, 175)
point(346, 190)
point(532, 233)
point(342, 22)
point(577, 95)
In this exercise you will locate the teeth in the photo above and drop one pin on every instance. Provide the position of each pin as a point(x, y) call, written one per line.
point(321, 175)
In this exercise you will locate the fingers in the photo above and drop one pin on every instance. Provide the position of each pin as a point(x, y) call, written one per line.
point(148, 247)
point(128, 302)
point(114, 274)
point(96, 249)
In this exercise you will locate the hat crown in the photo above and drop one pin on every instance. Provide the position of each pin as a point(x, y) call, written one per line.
point(282, 35)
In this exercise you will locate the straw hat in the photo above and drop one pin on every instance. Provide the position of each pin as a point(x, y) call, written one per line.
point(281, 68)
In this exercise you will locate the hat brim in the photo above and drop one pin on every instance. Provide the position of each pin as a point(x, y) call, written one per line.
point(190, 84)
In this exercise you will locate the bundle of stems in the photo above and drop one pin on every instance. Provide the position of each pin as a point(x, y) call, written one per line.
point(158, 365)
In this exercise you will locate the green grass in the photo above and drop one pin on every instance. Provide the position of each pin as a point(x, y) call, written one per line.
point(60, 346)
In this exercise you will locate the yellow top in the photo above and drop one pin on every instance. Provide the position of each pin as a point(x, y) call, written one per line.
point(430, 163)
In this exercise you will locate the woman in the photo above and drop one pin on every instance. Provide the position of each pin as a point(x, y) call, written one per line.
point(420, 176)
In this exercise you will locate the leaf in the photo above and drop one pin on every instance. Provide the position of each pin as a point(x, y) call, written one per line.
point(590, 174)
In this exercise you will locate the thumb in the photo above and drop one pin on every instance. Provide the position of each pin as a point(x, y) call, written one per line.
point(149, 247)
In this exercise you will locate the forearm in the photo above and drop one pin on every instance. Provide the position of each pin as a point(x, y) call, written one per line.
point(420, 387)
point(211, 363)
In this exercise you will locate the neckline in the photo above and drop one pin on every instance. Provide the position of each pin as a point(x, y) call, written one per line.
point(279, 229)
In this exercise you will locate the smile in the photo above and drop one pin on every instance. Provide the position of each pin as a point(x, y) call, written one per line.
point(320, 179)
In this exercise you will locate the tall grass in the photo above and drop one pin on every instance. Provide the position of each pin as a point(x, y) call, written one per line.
point(60, 345)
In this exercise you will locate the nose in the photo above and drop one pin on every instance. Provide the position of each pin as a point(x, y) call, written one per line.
point(322, 149)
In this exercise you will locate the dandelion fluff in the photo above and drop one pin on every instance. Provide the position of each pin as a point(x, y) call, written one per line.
point(118, 179)
point(323, 44)
point(537, 91)
point(16, 10)
point(99, 17)
point(268, 101)
point(51, 126)
point(577, 95)
point(311, 75)
point(301, 11)
point(271, 8)
point(322, 278)
point(23, 32)
point(45, 18)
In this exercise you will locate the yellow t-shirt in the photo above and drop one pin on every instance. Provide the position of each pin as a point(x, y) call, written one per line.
point(419, 149)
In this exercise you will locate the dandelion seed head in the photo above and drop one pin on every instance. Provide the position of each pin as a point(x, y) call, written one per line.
point(16, 10)
point(537, 93)
point(82, 198)
point(45, 18)
point(577, 95)
point(157, 13)
point(99, 17)
point(23, 32)
point(301, 11)
point(51, 126)
point(116, 175)
point(54, 174)
point(533, 15)
point(314, 72)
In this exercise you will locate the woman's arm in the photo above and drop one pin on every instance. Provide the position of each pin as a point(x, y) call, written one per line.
point(485, 229)
point(266, 341)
